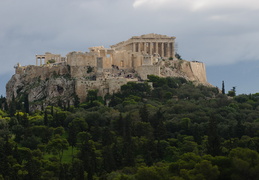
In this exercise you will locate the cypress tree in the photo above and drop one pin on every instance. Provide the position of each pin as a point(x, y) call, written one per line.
point(12, 107)
point(223, 87)
point(214, 144)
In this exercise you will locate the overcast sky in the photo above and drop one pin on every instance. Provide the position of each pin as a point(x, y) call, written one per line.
point(221, 33)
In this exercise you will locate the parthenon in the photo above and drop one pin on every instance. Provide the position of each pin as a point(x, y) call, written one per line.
point(150, 44)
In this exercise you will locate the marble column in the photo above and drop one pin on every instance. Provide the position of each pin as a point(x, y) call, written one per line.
point(162, 50)
point(168, 50)
point(156, 47)
point(134, 47)
point(145, 47)
point(139, 47)
point(172, 50)
point(151, 48)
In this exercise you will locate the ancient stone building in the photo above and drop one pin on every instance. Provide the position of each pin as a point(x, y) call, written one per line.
point(131, 54)
point(151, 44)
point(43, 59)
point(139, 53)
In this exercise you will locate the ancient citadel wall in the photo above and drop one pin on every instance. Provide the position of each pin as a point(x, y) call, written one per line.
point(80, 71)
point(81, 59)
point(103, 86)
point(195, 71)
point(199, 71)
point(137, 60)
point(122, 59)
point(143, 71)
point(43, 72)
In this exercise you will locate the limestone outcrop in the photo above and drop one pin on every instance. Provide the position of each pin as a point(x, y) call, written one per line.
point(41, 88)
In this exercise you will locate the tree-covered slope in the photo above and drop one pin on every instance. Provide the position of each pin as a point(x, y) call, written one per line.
point(173, 130)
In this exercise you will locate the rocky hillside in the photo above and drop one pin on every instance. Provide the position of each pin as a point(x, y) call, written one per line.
point(52, 84)
point(41, 88)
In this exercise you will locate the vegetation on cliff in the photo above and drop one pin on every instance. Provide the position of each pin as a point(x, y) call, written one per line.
point(174, 130)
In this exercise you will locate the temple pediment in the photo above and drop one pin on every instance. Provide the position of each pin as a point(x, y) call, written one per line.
point(151, 35)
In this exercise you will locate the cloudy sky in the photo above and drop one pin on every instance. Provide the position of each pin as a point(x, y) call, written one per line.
point(224, 34)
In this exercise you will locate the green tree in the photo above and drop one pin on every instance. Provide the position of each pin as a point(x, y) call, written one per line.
point(245, 163)
point(204, 170)
point(74, 127)
point(144, 114)
point(148, 173)
point(87, 154)
point(223, 87)
point(214, 142)
point(57, 145)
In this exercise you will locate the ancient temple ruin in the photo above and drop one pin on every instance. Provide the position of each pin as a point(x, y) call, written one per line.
point(133, 53)
point(151, 44)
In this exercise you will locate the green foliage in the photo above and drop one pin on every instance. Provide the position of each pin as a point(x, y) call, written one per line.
point(51, 61)
point(57, 145)
point(178, 56)
point(90, 69)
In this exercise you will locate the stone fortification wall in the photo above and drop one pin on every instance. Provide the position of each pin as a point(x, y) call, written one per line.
point(199, 71)
point(82, 59)
point(103, 86)
point(44, 72)
point(81, 71)
point(122, 59)
point(137, 60)
point(192, 71)
point(143, 71)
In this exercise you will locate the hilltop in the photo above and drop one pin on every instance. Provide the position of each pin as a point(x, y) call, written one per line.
point(56, 79)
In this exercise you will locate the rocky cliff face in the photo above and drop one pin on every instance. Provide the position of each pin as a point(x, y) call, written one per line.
point(41, 87)
point(52, 84)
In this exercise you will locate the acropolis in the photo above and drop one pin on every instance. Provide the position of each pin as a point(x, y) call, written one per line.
point(106, 69)
point(138, 53)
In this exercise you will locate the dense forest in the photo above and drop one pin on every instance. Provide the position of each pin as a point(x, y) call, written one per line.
point(174, 130)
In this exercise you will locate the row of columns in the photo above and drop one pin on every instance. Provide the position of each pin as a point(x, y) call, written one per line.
point(164, 49)
point(40, 58)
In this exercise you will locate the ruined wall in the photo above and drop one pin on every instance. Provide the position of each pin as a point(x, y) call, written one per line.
point(107, 62)
point(199, 71)
point(81, 71)
point(137, 59)
point(49, 56)
point(82, 59)
point(143, 71)
point(43, 72)
point(122, 59)
point(103, 86)
point(192, 71)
